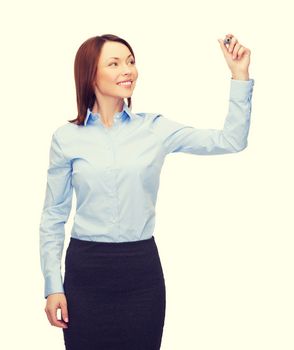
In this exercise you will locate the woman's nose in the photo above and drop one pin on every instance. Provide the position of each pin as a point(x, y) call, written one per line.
point(127, 69)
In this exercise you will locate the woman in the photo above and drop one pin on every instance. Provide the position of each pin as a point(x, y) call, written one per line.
point(113, 294)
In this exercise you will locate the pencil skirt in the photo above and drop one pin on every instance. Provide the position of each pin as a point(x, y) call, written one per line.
point(116, 296)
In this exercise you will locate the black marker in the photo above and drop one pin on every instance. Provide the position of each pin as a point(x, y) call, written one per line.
point(227, 41)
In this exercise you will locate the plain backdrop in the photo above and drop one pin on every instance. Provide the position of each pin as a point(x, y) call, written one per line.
point(224, 225)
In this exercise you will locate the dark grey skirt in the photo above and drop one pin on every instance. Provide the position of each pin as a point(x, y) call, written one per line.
point(115, 294)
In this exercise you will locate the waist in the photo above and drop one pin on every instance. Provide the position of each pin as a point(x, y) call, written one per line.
point(126, 246)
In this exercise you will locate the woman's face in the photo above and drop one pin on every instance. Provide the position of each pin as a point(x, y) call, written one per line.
point(111, 71)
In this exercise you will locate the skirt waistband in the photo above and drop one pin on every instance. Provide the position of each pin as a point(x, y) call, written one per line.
point(125, 246)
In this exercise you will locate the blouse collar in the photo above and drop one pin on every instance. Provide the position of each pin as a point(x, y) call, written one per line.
point(124, 114)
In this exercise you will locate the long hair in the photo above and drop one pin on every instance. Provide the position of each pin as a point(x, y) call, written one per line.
point(85, 68)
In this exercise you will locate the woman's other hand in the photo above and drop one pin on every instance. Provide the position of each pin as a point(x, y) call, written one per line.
point(57, 301)
point(237, 57)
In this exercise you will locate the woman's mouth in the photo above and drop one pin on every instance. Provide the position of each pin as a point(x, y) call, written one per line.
point(125, 84)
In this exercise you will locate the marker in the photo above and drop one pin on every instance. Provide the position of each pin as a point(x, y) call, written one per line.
point(227, 41)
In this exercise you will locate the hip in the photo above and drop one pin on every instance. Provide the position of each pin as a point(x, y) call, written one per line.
point(113, 266)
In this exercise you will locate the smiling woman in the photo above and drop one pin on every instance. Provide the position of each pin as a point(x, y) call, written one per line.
point(113, 294)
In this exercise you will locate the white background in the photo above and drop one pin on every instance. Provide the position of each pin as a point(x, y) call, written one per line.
point(224, 226)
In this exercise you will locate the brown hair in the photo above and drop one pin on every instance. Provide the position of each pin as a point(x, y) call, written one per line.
point(85, 68)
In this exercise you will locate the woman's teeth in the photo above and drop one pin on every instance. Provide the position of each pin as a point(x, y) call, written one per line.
point(125, 83)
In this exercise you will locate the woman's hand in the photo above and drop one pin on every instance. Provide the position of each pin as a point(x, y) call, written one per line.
point(237, 57)
point(57, 301)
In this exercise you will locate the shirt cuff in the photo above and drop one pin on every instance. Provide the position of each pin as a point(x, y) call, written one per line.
point(53, 284)
point(241, 90)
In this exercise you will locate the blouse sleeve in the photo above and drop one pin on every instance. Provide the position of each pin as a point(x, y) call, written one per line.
point(178, 137)
point(55, 213)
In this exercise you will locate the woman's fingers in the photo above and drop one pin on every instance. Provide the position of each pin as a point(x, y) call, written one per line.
point(55, 302)
point(232, 44)
point(240, 52)
point(52, 317)
point(64, 312)
point(236, 55)
point(236, 50)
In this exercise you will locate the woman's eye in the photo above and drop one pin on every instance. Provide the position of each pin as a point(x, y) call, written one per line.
point(133, 62)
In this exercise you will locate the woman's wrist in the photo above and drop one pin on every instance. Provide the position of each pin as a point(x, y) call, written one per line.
point(240, 76)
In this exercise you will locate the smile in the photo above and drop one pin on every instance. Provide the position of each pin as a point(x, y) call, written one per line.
point(125, 83)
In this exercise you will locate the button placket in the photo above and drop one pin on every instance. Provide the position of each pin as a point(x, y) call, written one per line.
point(112, 175)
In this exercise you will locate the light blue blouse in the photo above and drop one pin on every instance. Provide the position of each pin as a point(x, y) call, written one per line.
point(115, 173)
